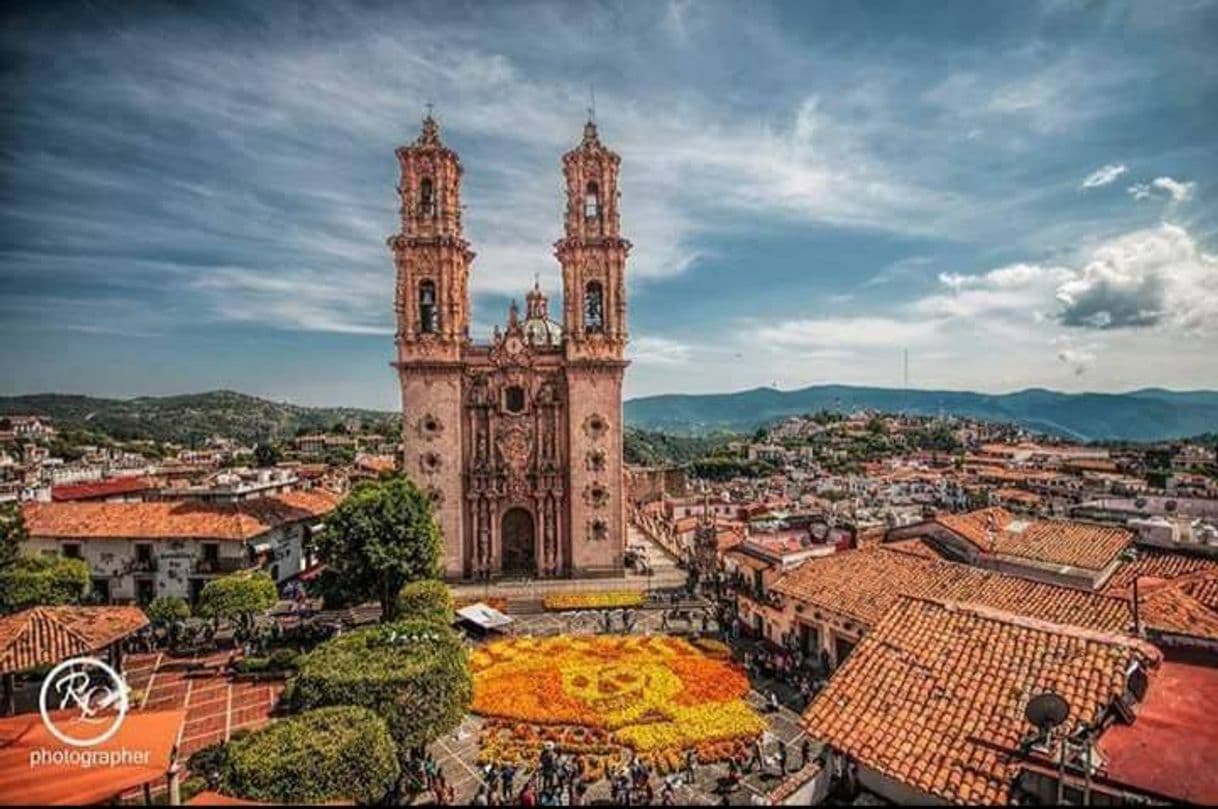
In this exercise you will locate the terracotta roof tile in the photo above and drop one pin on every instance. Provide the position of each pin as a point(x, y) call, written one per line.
point(175, 519)
point(100, 488)
point(934, 693)
point(1059, 542)
point(1162, 564)
point(864, 584)
point(43, 635)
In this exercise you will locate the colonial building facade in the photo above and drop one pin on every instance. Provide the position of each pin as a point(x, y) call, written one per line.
point(518, 441)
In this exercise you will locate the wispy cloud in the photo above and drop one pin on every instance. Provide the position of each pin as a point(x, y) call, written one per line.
point(1104, 175)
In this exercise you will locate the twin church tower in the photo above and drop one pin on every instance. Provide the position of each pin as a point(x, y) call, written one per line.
point(517, 441)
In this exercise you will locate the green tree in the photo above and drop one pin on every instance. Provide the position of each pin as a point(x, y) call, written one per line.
point(31, 581)
point(415, 674)
point(13, 534)
point(238, 598)
point(169, 612)
point(426, 600)
point(265, 455)
point(321, 756)
point(382, 536)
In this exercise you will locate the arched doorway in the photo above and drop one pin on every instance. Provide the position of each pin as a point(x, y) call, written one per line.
point(519, 547)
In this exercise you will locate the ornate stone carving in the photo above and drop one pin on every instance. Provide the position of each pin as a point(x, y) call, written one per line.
point(595, 461)
point(596, 495)
point(595, 426)
point(515, 445)
point(430, 463)
point(430, 427)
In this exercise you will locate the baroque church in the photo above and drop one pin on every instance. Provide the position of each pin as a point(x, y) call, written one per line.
point(517, 441)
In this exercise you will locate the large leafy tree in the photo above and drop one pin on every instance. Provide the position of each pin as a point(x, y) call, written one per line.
point(30, 581)
point(238, 598)
point(383, 536)
point(413, 673)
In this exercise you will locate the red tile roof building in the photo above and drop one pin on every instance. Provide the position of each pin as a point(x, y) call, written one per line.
point(934, 697)
point(47, 635)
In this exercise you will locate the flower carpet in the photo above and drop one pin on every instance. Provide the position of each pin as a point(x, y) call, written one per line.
point(594, 601)
point(594, 695)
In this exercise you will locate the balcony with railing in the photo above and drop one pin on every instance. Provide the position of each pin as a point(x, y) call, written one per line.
point(220, 566)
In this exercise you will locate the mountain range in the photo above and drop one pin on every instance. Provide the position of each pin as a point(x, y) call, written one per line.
point(187, 419)
point(1149, 414)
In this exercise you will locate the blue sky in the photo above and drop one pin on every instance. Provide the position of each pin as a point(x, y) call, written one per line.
point(1019, 194)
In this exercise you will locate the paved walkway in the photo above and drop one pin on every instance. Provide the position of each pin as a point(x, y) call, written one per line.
point(215, 705)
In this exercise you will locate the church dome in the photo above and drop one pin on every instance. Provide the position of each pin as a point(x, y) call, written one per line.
point(538, 329)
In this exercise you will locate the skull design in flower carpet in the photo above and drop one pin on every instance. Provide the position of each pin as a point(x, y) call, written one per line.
point(650, 693)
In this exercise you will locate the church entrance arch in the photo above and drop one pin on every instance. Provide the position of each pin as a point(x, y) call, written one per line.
point(519, 542)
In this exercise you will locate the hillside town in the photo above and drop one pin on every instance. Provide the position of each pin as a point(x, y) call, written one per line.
point(824, 539)
point(523, 471)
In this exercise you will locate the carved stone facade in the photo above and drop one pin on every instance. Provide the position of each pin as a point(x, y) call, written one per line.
point(519, 440)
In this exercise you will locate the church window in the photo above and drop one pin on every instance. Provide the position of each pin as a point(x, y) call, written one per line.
point(427, 201)
point(514, 399)
point(429, 313)
point(592, 202)
point(594, 307)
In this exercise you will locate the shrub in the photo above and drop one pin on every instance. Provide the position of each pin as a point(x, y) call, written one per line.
point(167, 610)
point(426, 600)
point(283, 659)
point(413, 673)
point(325, 755)
point(252, 665)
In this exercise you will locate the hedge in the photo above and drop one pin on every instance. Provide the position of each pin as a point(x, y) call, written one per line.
point(426, 600)
point(332, 754)
point(415, 674)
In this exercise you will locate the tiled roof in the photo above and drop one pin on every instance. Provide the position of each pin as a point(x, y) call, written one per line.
point(934, 694)
point(43, 635)
point(1058, 542)
point(1187, 605)
point(918, 546)
point(1162, 564)
point(175, 519)
point(864, 584)
point(100, 488)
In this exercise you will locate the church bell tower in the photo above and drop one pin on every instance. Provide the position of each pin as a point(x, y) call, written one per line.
point(593, 254)
point(432, 260)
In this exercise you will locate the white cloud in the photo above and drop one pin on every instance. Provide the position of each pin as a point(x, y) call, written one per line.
point(1152, 277)
point(1179, 191)
point(833, 333)
point(1078, 357)
point(1104, 175)
point(656, 350)
point(1139, 191)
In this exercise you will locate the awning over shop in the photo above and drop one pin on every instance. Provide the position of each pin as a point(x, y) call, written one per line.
point(23, 739)
point(483, 616)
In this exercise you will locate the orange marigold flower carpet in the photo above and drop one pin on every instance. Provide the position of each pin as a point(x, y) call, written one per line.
point(593, 695)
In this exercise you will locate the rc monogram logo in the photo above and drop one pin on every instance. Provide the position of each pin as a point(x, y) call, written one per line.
point(89, 699)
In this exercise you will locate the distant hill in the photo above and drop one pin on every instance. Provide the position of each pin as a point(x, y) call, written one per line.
point(188, 419)
point(1151, 414)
